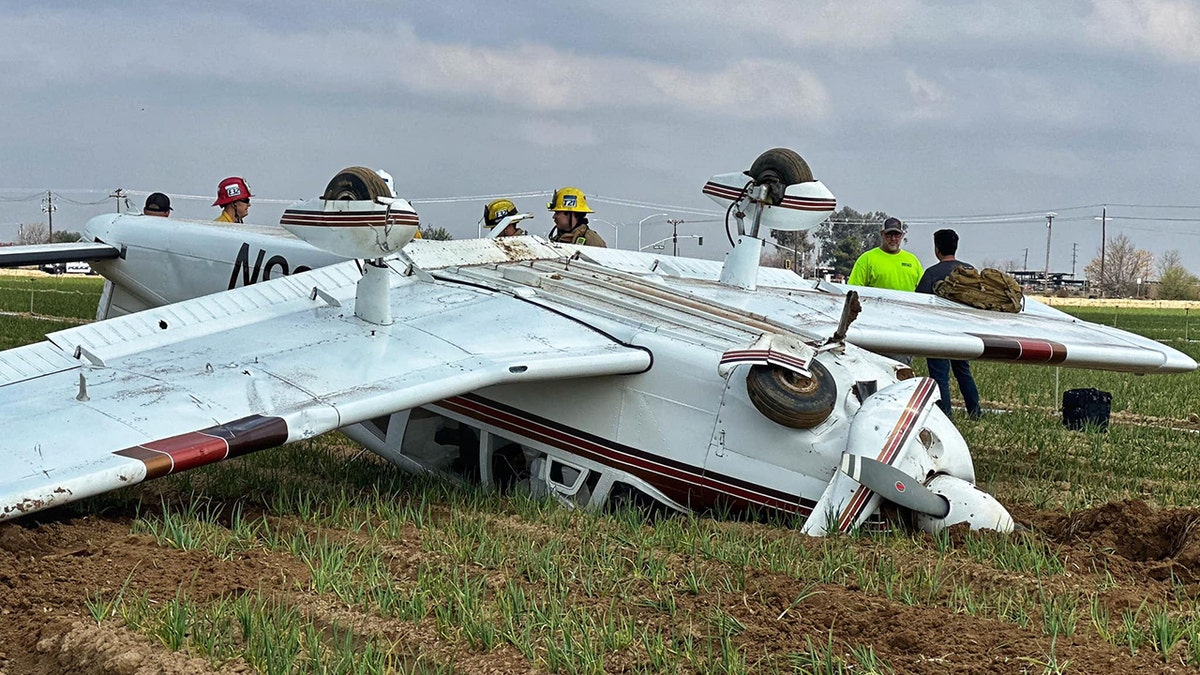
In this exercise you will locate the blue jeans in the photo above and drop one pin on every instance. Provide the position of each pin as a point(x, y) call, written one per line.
point(939, 370)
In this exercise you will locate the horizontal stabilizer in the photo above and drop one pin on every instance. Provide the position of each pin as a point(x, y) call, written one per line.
point(44, 254)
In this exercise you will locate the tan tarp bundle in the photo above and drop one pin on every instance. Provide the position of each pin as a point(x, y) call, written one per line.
point(986, 289)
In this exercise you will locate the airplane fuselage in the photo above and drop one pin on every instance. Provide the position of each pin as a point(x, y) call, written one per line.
point(168, 260)
point(683, 433)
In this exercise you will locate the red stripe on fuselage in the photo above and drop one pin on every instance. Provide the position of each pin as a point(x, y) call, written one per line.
point(899, 436)
point(684, 483)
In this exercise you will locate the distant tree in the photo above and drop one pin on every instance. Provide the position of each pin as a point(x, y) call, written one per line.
point(773, 257)
point(33, 233)
point(1174, 281)
point(847, 235)
point(1124, 264)
point(794, 248)
point(436, 233)
point(65, 237)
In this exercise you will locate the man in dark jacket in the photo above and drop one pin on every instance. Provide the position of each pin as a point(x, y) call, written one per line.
point(945, 246)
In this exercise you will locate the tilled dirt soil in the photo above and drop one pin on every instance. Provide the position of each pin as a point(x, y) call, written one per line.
point(49, 566)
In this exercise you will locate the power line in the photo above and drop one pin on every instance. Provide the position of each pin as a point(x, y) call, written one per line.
point(1177, 220)
point(79, 203)
point(1014, 217)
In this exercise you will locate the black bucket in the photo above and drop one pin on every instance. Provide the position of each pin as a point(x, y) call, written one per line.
point(1086, 407)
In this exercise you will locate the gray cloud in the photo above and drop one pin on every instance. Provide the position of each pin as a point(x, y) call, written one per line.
point(917, 108)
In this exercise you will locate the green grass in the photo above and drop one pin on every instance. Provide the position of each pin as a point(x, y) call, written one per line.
point(31, 307)
point(1166, 325)
point(68, 297)
point(571, 592)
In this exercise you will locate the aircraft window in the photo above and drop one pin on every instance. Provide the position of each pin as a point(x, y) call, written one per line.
point(379, 426)
point(441, 444)
point(625, 496)
point(510, 466)
point(565, 476)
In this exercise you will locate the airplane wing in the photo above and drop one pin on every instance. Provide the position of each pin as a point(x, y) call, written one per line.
point(897, 322)
point(43, 254)
point(117, 402)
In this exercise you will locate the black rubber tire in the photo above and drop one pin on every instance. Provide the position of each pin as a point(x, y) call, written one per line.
point(782, 165)
point(357, 183)
point(787, 398)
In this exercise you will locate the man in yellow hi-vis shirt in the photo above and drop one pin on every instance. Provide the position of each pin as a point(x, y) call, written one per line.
point(887, 266)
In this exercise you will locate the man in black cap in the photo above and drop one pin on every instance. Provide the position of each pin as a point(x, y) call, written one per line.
point(945, 248)
point(887, 265)
point(157, 204)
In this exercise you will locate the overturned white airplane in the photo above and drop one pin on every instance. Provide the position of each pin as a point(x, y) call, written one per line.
point(590, 375)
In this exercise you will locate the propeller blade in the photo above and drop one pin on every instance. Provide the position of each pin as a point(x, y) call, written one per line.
point(894, 485)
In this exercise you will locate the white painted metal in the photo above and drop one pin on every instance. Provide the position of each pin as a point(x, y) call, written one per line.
point(968, 504)
point(805, 206)
point(741, 265)
point(495, 231)
point(371, 301)
point(602, 365)
point(354, 229)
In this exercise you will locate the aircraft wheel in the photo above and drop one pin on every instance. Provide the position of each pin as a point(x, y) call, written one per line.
point(790, 399)
point(780, 164)
point(357, 183)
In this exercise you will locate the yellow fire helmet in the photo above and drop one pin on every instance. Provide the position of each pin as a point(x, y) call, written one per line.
point(569, 199)
point(496, 211)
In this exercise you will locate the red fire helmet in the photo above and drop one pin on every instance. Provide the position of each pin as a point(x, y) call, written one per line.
point(231, 190)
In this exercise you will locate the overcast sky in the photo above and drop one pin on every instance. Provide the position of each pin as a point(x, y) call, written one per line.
point(928, 111)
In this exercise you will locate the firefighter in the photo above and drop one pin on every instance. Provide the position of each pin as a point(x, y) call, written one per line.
point(233, 196)
point(570, 219)
point(498, 210)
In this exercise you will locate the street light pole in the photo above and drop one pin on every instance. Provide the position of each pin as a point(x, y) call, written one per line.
point(643, 221)
point(659, 244)
point(616, 231)
point(1103, 239)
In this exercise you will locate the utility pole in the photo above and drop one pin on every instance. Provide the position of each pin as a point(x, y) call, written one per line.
point(1074, 256)
point(48, 208)
point(674, 235)
point(1026, 265)
point(118, 195)
point(1049, 230)
point(1103, 239)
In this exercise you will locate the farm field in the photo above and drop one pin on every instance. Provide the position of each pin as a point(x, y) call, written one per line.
point(319, 557)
